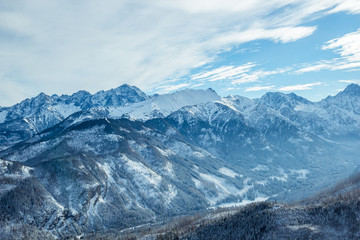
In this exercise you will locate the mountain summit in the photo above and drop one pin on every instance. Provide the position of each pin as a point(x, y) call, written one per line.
point(31, 116)
point(352, 89)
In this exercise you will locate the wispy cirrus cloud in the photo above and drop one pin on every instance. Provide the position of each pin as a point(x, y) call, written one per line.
point(282, 34)
point(212, 73)
point(352, 6)
point(356, 81)
point(237, 74)
point(347, 46)
point(314, 68)
point(299, 87)
point(256, 75)
point(259, 88)
point(169, 88)
point(224, 73)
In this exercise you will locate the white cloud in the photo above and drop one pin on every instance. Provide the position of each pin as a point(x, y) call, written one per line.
point(259, 88)
point(258, 74)
point(314, 68)
point(347, 46)
point(284, 35)
point(211, 73)
point(356, 81)
point(196, 85)
point(247, 78)
point(215, 6)
point(15, 21)
point(223, 73)
point(16, 89)
point(299, 87)
point(169, 88)
point(236, 74)
point(351, 6)
point(63, 46)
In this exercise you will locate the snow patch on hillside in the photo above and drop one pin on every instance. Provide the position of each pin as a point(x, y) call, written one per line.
point(142, 174)
point(306, 108)
point(165, 152)
point(228, 172)
point(170, 194)
point(66, 109)
point(169, 169)
point(302, 173)
point(34, 150)
point(283, 177)
point(223, 188)
point(260, 167)
point(3, 115)
point(243, 202)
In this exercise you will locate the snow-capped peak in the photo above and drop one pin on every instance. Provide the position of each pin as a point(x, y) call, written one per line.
point(352, 90)
point(163, 105)
point(277, 100)
point(127, 89)
point(36, 114)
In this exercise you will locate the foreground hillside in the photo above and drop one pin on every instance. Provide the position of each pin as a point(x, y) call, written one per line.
point(336, 220)
point(331, 214)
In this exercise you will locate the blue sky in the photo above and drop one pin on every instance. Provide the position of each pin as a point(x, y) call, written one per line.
point(236, 47)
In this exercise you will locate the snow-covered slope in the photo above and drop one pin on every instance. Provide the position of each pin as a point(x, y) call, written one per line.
point(34, 115)
point(64, 105)
point(163, 105)
point(330, 118)
point(342, 112)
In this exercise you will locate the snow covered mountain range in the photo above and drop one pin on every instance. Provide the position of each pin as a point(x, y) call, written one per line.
point(120, 158)
point(34, 115)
